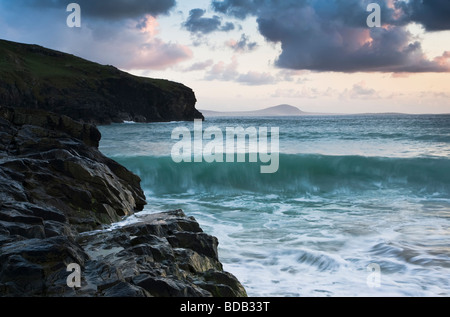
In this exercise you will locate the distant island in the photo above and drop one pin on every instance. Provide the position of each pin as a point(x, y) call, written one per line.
point(277, 111)
point(287, 111)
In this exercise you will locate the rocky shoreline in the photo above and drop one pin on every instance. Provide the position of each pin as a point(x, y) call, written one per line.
point(58, 197)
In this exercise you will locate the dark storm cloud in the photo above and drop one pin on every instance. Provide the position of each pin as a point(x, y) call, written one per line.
point(237, 8)
point(434, 15)
point(352, 12)
point(332, 35)
point(197, 23)
point(108, 10)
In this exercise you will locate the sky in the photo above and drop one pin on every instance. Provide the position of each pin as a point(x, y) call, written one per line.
point(317, 55)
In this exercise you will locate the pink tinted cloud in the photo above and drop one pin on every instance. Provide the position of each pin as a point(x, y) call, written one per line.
point(146, 51)
point(444, 60)
point(149, 25)
point(129, 45)
point(157, 55)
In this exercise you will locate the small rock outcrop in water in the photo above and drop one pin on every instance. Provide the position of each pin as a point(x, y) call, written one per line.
point(35, 77)
point(57, 193)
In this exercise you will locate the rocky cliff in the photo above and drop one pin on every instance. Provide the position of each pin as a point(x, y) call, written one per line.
point(58, 196)
point(39, 78)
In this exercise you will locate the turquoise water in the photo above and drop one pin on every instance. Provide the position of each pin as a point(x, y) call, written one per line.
point(350, 191)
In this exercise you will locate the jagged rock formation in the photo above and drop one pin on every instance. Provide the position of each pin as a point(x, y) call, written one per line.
point(54, 161)
point(57, 194)
point(39, 78)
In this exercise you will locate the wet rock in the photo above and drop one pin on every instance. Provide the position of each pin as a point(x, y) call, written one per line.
point(53, 161)
point(149, 261)
point(59, 197)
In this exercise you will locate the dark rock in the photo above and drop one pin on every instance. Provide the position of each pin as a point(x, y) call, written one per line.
point(150, 262)
point(59, 195)
point(19, 276)
point(192, 261)
point(222, 284)
point(124, 289)
point(200, 242)
point(166, 287)
point(57, 166)
point(28, 266)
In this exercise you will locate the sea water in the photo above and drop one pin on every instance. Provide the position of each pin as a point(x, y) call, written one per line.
point(351, 193)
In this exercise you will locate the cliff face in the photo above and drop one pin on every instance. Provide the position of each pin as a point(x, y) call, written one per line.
point(57, 192)
point(35, 77)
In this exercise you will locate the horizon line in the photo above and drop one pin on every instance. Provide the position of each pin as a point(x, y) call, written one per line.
point(305, 113)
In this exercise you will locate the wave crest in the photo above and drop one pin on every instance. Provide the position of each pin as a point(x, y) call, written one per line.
point(314, 174)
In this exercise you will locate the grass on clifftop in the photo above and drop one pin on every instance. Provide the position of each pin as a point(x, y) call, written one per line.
point(23, 64)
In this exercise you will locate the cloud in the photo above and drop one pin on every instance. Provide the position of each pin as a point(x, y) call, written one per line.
point(106, 10)
point(222, 71)
point(136, 46)
point(361, 91)
point(237, 8)
point(433, 95)
point(148, 25)
point(323, 35)
point(229, 72)
point(444, 59)
point(253, 78)
point(200, 66)
point(129, 46)
point(243, 45)
point(434, 15)
point(291, 75)
point(304, 93)
point(129, 40)
point(156, 55)
point(197, 23)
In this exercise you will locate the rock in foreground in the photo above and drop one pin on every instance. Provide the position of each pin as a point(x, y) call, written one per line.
point(58, 194)
point(164, 254)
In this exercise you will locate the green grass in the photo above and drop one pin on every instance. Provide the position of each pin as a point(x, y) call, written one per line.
point(22, 64)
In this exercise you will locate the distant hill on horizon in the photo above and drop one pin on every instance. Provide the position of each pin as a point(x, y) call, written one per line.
point(277, 111)
point(289, 111)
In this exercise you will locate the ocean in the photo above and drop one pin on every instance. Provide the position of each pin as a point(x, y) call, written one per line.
point(359, 206)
